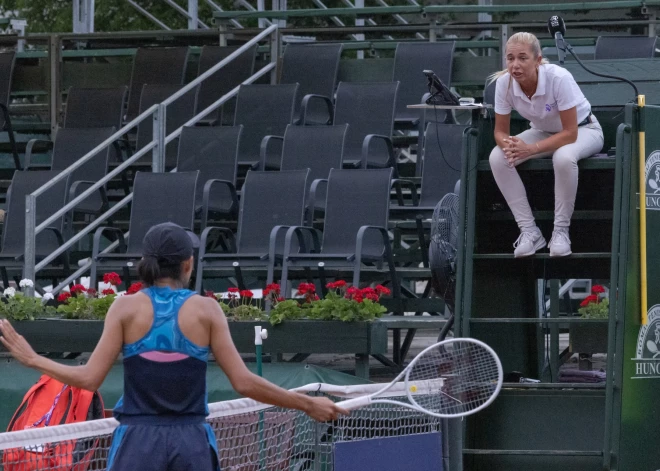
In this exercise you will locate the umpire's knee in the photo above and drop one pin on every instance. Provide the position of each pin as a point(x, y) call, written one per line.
point(564, 160)
point(497, 159)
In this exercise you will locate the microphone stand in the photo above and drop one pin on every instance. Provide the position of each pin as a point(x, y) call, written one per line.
point(569, 48)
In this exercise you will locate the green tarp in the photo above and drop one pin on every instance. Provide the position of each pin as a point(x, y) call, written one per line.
point(15, 380)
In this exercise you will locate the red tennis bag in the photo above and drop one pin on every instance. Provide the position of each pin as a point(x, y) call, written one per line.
point(49, 403)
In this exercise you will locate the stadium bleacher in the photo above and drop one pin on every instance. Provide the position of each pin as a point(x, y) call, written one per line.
point(309, 137)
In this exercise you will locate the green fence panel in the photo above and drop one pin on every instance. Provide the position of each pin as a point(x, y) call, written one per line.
point(640, 412)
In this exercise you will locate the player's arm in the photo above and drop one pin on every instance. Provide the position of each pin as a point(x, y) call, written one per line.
point(89, 376)
point(250, 385)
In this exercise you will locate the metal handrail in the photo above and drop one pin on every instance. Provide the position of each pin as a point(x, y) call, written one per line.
point(156, 145)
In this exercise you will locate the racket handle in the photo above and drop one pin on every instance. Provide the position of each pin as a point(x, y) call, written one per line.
point(352, 404)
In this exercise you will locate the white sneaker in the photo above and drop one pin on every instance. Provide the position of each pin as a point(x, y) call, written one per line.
point(528, 243)
point(560, 243)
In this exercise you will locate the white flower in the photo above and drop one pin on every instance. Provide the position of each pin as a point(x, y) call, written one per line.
point(9, 292)
point(47, 297)
point(26, 283)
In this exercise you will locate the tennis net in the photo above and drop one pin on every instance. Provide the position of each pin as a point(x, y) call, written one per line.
point(251, 436)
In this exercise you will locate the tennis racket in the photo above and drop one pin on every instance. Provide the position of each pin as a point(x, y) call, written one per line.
point(452, 378)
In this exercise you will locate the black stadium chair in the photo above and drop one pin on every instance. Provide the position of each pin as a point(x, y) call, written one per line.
point(263, 110)
point(317, 148)
point(7, 62)
point(354, 231)
point(157, 198)
point(625, 47)
point(410, 60)
point(95, 107)
point(223, 81)
point(213, 151)
point(270, 203)
point(70, 145)
point(13, 235)
point(178, 113)
point(368, 109)
point(315, 67)
point(155, 66)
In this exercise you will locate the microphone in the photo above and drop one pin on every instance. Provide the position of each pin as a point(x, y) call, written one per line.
point(557, 28)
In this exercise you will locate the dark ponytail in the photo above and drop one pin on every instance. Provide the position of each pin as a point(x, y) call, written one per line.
point(151, 269)
point(148, 270)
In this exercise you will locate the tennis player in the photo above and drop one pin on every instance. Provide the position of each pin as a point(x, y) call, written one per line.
point(165, 334)
point(562, 126)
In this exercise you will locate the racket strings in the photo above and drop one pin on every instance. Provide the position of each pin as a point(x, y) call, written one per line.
point(453, 378)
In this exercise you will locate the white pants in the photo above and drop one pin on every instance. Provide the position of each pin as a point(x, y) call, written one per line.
point(564, 161)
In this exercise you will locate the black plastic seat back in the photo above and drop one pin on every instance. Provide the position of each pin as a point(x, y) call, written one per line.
point(214, 152)
point(263, 110)
point(489, 92)
point(443, 151)
point(7, 61)
point(158, 198)
point(178, 113)
point(410, 60)
point(356, 198)
point(318, 148)
point(625, 47)
point(368, 108)
point(314, 66)
point(155, 66)
point(95, 107)
point(225, 80)
point(22, 184)
point(74, 143)
point(269, 199)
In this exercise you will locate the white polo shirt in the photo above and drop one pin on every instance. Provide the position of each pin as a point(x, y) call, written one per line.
point(556, 91)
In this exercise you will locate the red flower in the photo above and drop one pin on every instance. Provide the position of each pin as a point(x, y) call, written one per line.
point(596, 289)
point(246, 293)
point(358, 297)
point(91, 292)
point(272, 288)
point(233, 289)
point(63, 297)
point(382, 291)
point(306, 288)
point(75, 289)
point(112, 278)
point(370, 293)
point(592, 298)
point(280, 299)
point(108, 292)
point(209, 294)
point(134, 288)
point(352, 291)
point(336, 285)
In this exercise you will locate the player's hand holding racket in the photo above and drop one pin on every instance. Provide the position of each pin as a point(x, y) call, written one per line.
point(452, 378)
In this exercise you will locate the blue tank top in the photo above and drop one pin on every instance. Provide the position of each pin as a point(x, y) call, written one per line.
point(164, 372)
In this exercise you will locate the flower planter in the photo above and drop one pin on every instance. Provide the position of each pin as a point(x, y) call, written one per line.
point(300, 336)
point(313, 336)
point(588, 337)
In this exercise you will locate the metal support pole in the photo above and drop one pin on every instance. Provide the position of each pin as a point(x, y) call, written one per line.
point(158, 154)
point(261, 6)
point(359, 22)
point(504, 37)
point(274, 55)
point(55, 92)
point(83, 16)
point(433, 25)
point(18, 26)
point(193, 14)
point(486, 18)
point(30, 241)
point(554, 332)
point(222, 31)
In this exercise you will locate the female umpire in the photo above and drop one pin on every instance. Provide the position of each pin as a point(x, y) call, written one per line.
point(561, 125)
point(165, 334)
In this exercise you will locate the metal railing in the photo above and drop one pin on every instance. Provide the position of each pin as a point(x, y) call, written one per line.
point(157, 146)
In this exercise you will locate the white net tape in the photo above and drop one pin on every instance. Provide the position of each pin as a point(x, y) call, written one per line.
point(251, 436)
